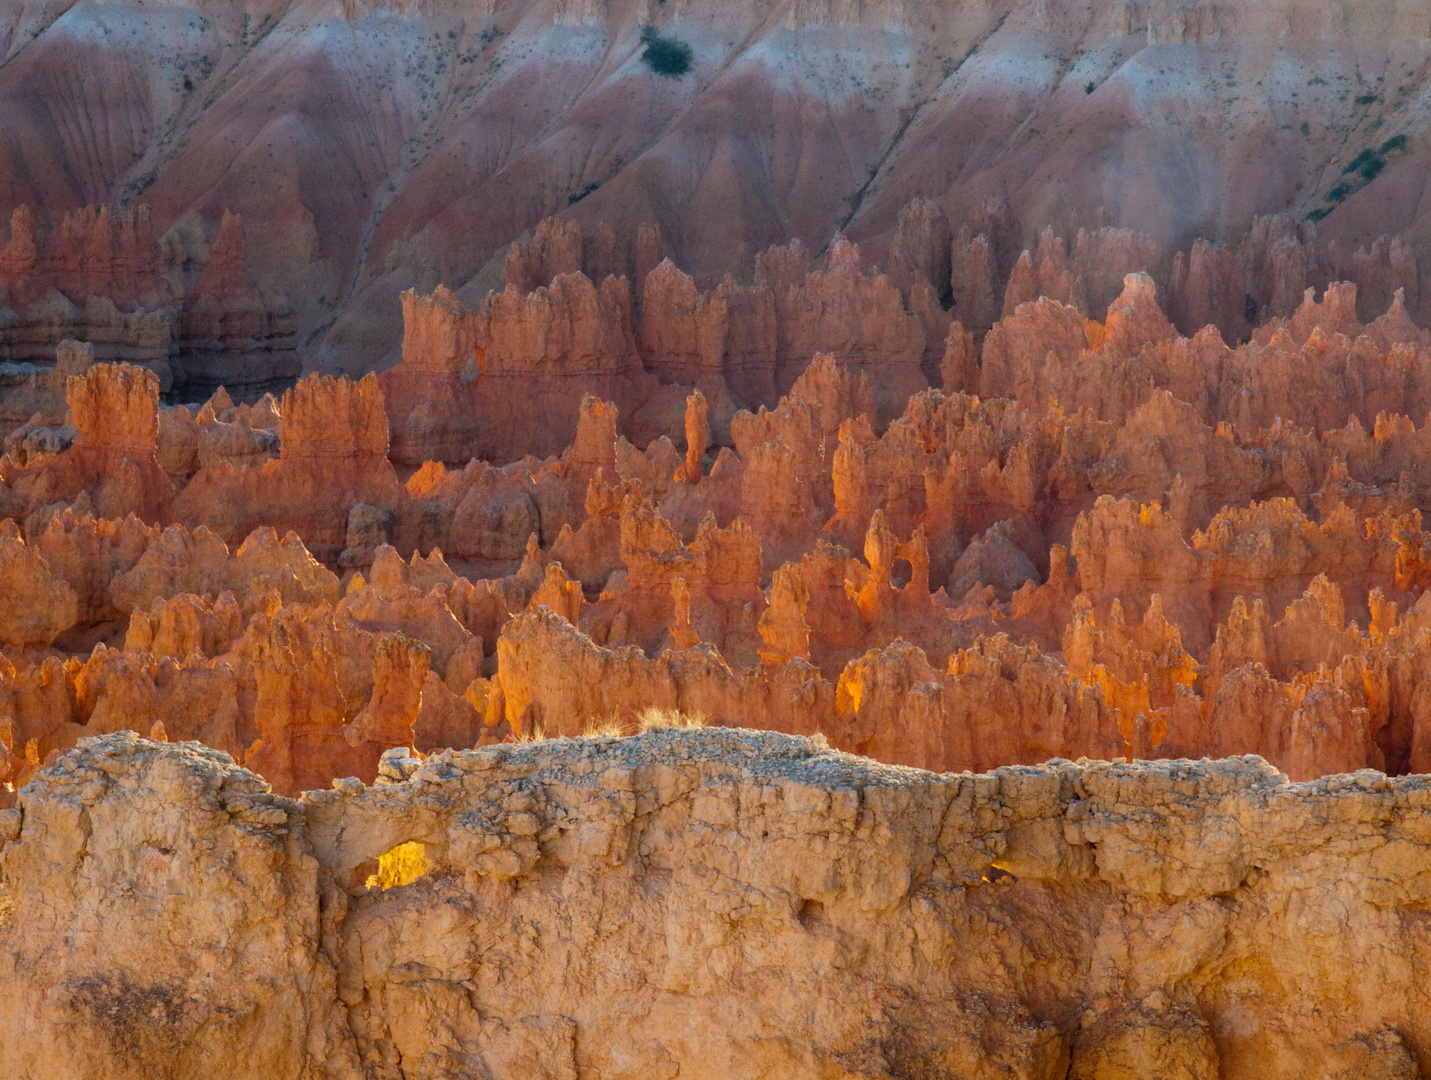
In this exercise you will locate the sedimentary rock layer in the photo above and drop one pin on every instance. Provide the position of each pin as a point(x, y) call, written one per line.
point(107, 280)
point(711, 904)
point(376, 147)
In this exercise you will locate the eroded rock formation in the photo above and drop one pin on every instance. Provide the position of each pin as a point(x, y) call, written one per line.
point(750, 405)
point(106, 279)
point(1099, 539)
point(1143, 926)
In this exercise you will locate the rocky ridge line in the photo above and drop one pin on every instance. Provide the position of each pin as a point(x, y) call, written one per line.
point(713, 903)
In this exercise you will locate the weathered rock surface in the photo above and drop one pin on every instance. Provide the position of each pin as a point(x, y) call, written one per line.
point(106, 279)
point(612, 907)
point(351, 196)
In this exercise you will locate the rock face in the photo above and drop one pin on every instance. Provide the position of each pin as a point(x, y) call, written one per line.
point(38, 607)
point(666, 446)
point(141, 1015)
point(106, 279)
point(1124, 948)
point(385, 192)
point(513, 372)
point(112, 462)
point(227, 331)
point(332, 440)
point(510, 373)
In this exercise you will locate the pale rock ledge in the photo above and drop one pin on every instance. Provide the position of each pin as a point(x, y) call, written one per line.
point(712, 904)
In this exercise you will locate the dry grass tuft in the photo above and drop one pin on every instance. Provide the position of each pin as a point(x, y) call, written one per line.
point(652, 718)
point(605, 727)
point(402, 865)
point(535, 733)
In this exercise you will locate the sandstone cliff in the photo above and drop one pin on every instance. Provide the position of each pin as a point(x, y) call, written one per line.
point(514, 910)
point(106, 279)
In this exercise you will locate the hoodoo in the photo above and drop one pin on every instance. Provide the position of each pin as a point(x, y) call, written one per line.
point(576, 541)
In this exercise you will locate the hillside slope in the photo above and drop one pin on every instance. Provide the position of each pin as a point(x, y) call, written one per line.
point(376, 148)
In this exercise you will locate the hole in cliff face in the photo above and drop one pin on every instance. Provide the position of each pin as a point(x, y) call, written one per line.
point(402, 865)
point(811, 914)
point(997, 875)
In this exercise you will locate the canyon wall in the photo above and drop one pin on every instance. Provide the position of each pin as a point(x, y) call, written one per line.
point(974, 388)
point(373, 148)
point(713, 904)
point(105, 279)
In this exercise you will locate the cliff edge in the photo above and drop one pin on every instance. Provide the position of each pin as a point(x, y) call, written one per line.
point(713, 903)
